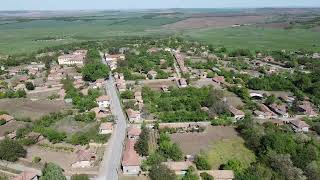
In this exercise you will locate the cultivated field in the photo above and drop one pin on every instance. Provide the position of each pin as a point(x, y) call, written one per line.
point(255, 38)
point(193, 143)
point(22, 108)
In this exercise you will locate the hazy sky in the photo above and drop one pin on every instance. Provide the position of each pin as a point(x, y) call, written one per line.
point(145, 4)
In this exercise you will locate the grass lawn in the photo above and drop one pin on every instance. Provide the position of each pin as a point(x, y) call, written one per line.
point(255, 38)
point(228, 149)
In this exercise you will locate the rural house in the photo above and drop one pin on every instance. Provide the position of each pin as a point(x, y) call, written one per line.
point(27, 175)
point(280, 109)
point(106, 128)
point(103, 101)
point(179, 168)
point(100, 112)
point(133, 116)
point(134, 132)
point(76, 58)
point(6, 117)
point(182, 83)
point(299, 126)
point(307, 108)
point(85, 158)
point(131, 160)
point(152, 74)
point(219, 80)
point(237, 114)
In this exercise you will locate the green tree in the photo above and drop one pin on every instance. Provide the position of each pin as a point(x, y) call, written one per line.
point(161, 172)
point(206, 176)
point(52, 172)
point(11, 150)
point(29, 86)
point(94, 71)
point(234, 165)
point(142, 145)
point(202, 162)
point(190, 174)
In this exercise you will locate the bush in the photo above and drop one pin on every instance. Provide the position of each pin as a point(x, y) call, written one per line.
point(52, 172)
point(161, 172)
point(11, 150)
point(53, 135)
point(206, 176)
point(80, 177)
point(85, 117)
point(202, 162)
point(2, 122)
point(127, 95)
point(29, 86)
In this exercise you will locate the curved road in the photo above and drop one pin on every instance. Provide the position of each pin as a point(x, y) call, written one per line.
point(112, 157)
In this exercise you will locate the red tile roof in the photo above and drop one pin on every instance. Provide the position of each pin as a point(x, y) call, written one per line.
point(130, 156)
point(134, 131)
point(103, 98)
point(6, 117)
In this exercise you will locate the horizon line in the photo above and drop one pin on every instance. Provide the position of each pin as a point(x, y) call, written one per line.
point(128, 9)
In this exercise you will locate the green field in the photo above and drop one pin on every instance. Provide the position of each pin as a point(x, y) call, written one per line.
point(24, 37)
point(229, 149)
point(256, 38)
point(26, 34)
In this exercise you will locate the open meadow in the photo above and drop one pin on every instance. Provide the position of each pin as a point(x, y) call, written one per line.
point(263, 29)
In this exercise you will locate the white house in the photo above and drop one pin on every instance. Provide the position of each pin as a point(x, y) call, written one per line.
point(76, 58)
point(103, 101)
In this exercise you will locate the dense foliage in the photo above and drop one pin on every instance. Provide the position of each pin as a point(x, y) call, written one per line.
point(161, 172)
point(52, 171)
point(281, 154)
point(11, 150)
point(79, 100)
point(169, 149)
point(183, 105)
point(94, 69)
point(142, 145)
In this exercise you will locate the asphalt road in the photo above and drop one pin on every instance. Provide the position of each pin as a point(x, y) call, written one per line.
point(112, 157)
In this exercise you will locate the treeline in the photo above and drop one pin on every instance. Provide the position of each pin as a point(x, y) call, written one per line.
point(299, 83)
point(281, 153)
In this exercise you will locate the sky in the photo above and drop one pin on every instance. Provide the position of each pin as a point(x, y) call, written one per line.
point(148, 4)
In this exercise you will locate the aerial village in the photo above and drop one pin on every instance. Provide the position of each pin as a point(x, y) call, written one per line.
point(176, 100)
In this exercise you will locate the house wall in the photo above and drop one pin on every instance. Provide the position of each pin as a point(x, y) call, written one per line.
point(105, 131)
point(131, 170)
point(103, 104)
point(81, 164)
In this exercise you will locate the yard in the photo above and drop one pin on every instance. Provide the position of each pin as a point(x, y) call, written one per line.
point(21, 108)
point(220, 144)
point(157, 84)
